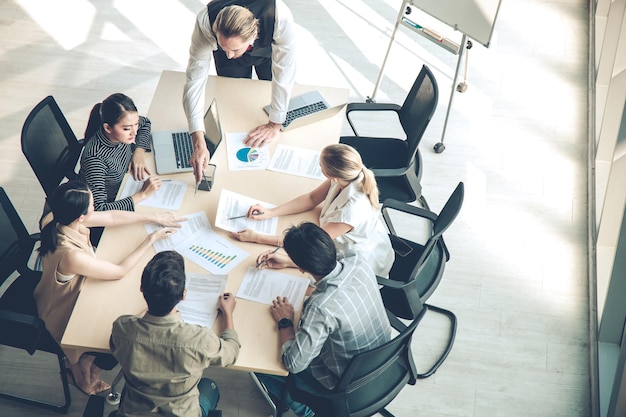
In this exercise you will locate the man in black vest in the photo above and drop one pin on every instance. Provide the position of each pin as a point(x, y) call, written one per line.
point(239, 35)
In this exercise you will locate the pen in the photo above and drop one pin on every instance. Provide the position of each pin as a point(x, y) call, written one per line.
point(263, 261)
point(245, 215)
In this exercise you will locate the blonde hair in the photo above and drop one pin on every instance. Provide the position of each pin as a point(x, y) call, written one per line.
point(236, 22)
point(344, 163)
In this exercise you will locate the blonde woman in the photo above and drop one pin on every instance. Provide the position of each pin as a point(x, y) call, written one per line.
point(350, 210)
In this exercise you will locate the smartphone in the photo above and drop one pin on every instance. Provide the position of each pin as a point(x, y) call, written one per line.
point(209, 177)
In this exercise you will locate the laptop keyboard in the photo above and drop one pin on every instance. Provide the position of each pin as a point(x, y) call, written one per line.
point(304, 111)
point(183, 148)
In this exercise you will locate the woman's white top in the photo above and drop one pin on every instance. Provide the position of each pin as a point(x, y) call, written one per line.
point(368, 237)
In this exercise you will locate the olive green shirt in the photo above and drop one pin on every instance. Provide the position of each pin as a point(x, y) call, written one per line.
point(163, 359)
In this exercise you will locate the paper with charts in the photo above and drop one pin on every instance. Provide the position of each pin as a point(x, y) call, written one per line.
point(200, 304)
point(169, 196)
point(264, 285)
point(241, 157)
point(211, 251)
point(195, 222)
point(297, 161)
point(233, 206)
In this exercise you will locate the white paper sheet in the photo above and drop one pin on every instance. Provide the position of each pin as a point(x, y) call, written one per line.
point(195, 222)
point(297, 161)
point(200, 304)
point(169, 196)
point(236, 205)
point(212, 252)
point(241, 157)
point(264, 285)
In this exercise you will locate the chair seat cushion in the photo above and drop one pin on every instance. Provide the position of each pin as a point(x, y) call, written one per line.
point(380, 153)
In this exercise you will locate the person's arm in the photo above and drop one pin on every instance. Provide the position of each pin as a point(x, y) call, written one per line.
point(283, 76)
point(142, 145)
point(300, 347)
point(203, 44)
point(225, 350)
point(300, 204)
point(120, 217)
point(80, 263)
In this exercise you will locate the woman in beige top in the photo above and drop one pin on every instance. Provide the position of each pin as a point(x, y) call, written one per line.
point(68, 258)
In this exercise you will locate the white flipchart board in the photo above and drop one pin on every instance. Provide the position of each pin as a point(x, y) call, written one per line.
point(474, 18)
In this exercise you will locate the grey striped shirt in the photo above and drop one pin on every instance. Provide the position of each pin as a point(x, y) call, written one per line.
point(344, 316)
point(104, 163)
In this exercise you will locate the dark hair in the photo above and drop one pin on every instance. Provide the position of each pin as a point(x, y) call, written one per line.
point(68, 202)
point(311, 248)
point(163, 282)
point(110, 111)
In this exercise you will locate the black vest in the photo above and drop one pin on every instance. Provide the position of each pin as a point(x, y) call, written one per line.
point(263, 10)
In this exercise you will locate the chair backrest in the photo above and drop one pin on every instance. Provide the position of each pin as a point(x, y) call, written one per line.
point(374, 378)
point(49, 145)
point(418, 108)
point(422, 268)
point(15, 243)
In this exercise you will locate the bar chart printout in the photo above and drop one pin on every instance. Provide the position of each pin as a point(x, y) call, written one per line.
point(212, 252)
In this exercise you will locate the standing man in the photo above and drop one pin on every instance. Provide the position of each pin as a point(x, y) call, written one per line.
point(344, 316)
point(163, 357)
point(239, 35)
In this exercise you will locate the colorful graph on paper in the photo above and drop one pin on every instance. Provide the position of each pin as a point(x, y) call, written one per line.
point(212, 252)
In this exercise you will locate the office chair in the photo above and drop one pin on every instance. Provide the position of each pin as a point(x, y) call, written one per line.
point(21, 327)
point(369, 383)
point(397, 162)
point(49, 145)
point(418, 268)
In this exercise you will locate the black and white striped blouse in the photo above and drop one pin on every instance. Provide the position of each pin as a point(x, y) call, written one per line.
point(104, 163)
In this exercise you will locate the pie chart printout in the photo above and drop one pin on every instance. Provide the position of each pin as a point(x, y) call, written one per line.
point(247, 154)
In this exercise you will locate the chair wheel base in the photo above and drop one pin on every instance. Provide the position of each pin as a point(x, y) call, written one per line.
point(439, 147)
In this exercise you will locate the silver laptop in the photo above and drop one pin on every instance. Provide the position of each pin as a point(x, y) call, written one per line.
point(305, 109)
point(172, 149)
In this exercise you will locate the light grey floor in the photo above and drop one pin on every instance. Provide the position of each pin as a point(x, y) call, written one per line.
point(517, 138)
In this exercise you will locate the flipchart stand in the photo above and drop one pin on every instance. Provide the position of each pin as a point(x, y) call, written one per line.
point(404, 19)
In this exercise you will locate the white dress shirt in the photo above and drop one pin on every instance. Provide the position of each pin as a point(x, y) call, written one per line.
point(368, 238)
point(203, 43)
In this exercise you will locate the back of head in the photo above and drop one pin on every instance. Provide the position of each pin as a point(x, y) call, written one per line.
point(163, 282)
point(68, 202)
point(236, 22)
point(344, 163)
point(110, 111)
point(311, 248)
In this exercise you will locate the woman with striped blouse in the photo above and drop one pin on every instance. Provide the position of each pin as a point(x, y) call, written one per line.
point(116, 140)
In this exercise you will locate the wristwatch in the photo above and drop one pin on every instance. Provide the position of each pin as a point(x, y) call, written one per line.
point(284, 323)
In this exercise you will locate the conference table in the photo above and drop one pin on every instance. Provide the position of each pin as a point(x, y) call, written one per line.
point(240, 103)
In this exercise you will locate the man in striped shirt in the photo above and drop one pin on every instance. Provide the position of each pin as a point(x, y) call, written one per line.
point(342, 317)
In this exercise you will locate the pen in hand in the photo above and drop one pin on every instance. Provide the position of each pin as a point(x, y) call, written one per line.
point(265, 260)
point(245, 215)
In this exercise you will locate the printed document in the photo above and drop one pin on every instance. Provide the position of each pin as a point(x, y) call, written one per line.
point(232, 211)
point(195, 222)
point(297, 161)
point(264, 285)
point(200, 304)
point(241, 157)
point(169, 196)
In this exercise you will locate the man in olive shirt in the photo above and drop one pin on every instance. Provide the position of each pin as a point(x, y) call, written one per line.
point(163, 357)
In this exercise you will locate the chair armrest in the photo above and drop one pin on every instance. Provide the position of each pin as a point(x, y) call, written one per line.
point(386, 282)
point(407, 208)
point(368, 107)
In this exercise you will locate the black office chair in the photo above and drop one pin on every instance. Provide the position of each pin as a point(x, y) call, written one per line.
point(418, 268)
point(21, 327)
point(396, 162)
point(369, 383)
point(49, 145)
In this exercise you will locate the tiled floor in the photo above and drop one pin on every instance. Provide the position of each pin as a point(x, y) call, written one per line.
point(517, 138)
